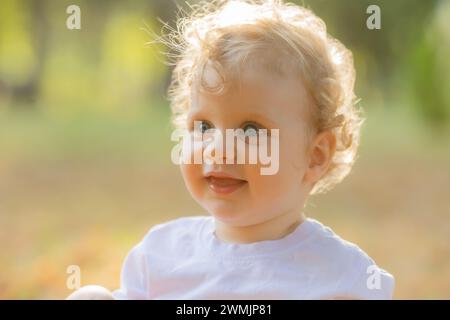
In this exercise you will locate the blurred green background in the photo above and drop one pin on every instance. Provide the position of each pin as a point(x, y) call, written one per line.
point(85, 165)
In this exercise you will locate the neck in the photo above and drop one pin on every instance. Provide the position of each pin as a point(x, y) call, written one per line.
point(272, 229)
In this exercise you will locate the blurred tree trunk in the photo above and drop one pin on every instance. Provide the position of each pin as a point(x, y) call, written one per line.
point(27, 92)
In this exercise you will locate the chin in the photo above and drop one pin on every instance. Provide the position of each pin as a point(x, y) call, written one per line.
point(235, 218)
point(226, 212)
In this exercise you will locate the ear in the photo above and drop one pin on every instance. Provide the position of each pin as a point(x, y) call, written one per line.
point(320, 154)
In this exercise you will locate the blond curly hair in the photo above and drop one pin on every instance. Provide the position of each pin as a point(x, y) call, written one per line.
point(283, 38)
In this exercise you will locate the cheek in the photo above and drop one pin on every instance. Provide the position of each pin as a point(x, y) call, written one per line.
point(192, 175)
point(293, 153)
point(287, 181)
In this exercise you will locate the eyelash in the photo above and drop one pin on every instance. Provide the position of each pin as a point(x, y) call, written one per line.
point(247, 123)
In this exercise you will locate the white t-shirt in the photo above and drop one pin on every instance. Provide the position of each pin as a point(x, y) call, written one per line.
point(183, 259)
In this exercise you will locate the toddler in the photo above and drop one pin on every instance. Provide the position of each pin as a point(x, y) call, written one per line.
point(269, 71)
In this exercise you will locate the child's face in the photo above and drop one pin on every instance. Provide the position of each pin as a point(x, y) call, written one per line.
point(251, 198)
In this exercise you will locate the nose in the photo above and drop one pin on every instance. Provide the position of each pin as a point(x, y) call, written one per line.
point(215, 149)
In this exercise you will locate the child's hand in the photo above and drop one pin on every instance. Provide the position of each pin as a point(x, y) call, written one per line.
point(91, 292)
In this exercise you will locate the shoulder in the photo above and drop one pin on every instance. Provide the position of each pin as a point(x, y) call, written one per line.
point(331, 246)
point(356, 275)
point(163, 243)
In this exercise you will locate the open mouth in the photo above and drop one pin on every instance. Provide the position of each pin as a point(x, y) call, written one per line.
point(224, 185)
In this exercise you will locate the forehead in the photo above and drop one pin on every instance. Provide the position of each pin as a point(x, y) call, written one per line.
point(256, 92)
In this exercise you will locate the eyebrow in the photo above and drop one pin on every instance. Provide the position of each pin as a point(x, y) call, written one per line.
point(196, 114)
point(260, 118)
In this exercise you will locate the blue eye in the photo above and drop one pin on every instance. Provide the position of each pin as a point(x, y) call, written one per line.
point(251, 129)
point(202, 125)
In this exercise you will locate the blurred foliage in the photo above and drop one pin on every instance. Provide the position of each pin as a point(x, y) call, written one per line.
point(429, 69)
point(106, 67)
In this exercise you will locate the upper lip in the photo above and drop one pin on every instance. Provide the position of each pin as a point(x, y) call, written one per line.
point(220, 174)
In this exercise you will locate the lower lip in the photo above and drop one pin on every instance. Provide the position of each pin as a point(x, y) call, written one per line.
point(225, 186)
